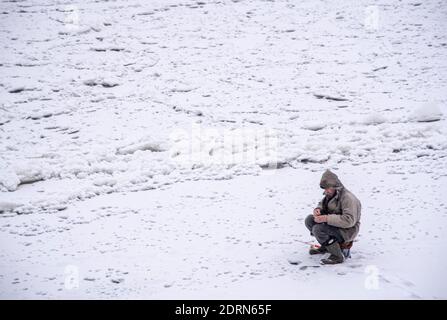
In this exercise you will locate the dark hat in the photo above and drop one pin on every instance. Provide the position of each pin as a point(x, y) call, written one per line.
point(330, 180)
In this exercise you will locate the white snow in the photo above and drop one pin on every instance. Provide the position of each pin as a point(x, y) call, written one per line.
point(314, 125)
point(8, 179)
point(7, 206)
point(426, 113)
point(142, 146)
point(211, 239)
point(375, 118)
point(173, 148)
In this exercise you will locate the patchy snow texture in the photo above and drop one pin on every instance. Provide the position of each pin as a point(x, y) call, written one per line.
point(427, 113)
point(114, 161)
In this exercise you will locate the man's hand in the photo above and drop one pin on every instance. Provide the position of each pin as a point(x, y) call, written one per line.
point(320, 218)
point(317, 212)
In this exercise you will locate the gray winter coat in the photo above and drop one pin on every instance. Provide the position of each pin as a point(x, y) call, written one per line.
point(343, 210)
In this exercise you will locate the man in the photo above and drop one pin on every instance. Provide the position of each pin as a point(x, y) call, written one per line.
point(335, 222)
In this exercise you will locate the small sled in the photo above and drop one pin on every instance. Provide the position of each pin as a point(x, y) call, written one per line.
point(345, 248)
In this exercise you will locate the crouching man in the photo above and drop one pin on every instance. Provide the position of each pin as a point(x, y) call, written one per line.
point(335, 222)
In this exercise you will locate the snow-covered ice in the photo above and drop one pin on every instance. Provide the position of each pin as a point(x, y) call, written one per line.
point(167, 149)
point(231, 238)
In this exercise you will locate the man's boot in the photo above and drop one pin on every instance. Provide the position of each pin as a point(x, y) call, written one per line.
point(314, 249)
point(336, 254)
